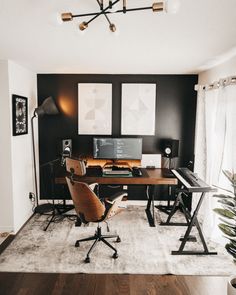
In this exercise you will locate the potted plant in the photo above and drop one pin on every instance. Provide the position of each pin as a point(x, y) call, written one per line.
point(227, 214)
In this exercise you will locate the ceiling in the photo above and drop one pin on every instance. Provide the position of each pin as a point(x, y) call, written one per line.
point(201, 34)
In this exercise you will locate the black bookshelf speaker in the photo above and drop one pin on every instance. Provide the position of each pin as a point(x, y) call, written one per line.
point(170, 148)
point(66, 149)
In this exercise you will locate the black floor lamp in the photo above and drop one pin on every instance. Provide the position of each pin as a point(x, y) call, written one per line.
point(48, 107)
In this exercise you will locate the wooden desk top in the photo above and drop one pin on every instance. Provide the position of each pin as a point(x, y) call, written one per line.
point(151, 177)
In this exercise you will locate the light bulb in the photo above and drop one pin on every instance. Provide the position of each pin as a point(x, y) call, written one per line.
point(66, 16)
point(112, 28)
point(172, 6)
point(83, 26)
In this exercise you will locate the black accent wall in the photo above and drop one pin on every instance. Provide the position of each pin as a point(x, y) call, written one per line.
point(175, 113)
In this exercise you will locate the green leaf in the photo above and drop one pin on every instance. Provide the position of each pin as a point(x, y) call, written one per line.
point(224, 212)
point(232, 242)
point(227, 230)
point(221, 196)
point(231, 202)
point(228, 222)
point(231, 250)
point(231, 209)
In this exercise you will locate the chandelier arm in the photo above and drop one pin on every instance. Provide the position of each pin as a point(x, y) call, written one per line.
point(105, 14)
point(109, 12)
point(102, 12)
point(85, 14)
point(133, 9)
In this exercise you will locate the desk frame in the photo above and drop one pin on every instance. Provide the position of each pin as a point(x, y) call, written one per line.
point(154, 177)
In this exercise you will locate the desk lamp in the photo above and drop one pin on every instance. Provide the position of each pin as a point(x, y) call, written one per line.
point(48, 107)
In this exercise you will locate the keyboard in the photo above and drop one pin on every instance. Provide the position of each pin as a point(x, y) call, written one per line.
point(189, 176)
point(116, 172)
point(191, 181)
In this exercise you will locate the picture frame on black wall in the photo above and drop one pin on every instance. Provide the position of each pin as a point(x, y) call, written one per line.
point(95, 108)
point(138, 108)
point(19, 115)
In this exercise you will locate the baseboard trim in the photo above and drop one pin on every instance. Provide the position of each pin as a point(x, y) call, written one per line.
point(4, 229)
point(6, 242)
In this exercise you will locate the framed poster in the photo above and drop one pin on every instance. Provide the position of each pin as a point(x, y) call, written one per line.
point(138, 110)
point(19, 115)
point(94, 108)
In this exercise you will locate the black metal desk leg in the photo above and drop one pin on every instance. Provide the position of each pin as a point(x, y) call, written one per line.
point(151, 215)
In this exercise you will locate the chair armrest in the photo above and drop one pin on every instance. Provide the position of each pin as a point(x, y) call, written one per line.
point(117, 196)
point(116, 205)
point(93, 186)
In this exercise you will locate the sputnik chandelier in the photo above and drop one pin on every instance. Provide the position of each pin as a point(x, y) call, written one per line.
point(107, 8)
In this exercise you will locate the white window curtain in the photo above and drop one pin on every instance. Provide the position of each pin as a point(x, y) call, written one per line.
point(215, 147)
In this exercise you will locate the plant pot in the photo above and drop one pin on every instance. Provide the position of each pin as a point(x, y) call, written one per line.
point(231, 288)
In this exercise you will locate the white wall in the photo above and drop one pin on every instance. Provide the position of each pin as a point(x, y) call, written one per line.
point(23, 82)
point(223, 70)
point(6, 195)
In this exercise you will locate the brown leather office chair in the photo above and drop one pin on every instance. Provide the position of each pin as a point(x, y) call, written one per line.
point(89, 207)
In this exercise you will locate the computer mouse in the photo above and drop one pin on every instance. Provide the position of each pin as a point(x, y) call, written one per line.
point(137, 171)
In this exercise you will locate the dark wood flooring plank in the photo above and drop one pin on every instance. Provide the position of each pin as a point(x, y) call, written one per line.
point(109, 284)
point(117, 284)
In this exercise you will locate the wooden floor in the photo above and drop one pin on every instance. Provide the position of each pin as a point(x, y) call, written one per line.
point(108, 284)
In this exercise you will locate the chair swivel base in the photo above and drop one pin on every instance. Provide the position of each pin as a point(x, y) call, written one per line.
point(97, 238)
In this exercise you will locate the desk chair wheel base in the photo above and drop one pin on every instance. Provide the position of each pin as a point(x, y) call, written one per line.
point(77, 244)
point(87, 260)
point(115, 255)
point(78, 222)
point(97, 237)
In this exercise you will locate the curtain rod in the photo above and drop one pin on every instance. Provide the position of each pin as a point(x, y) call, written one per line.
point(221, 83)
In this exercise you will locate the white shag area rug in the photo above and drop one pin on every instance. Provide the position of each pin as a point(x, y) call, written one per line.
point(143, 249)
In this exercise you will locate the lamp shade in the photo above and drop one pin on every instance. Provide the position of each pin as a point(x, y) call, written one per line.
point(48, 107)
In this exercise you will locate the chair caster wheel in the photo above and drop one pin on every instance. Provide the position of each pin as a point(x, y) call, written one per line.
point(77, 244)
point(87, 260)
point(115, 255)
point(78, 222)
point(118, 240)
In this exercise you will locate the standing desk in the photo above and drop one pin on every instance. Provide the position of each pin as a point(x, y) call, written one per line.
point(150, 177)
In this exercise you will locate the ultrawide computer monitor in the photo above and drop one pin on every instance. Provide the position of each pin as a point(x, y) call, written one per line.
point(117, 148)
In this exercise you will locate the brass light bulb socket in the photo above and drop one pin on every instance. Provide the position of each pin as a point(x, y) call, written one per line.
point(158, 6)
point(66, 17)
point(83, 26)
point(112, 28)
point(124, 6)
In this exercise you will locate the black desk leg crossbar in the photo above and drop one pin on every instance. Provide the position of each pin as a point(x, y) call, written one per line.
point(194, 221)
